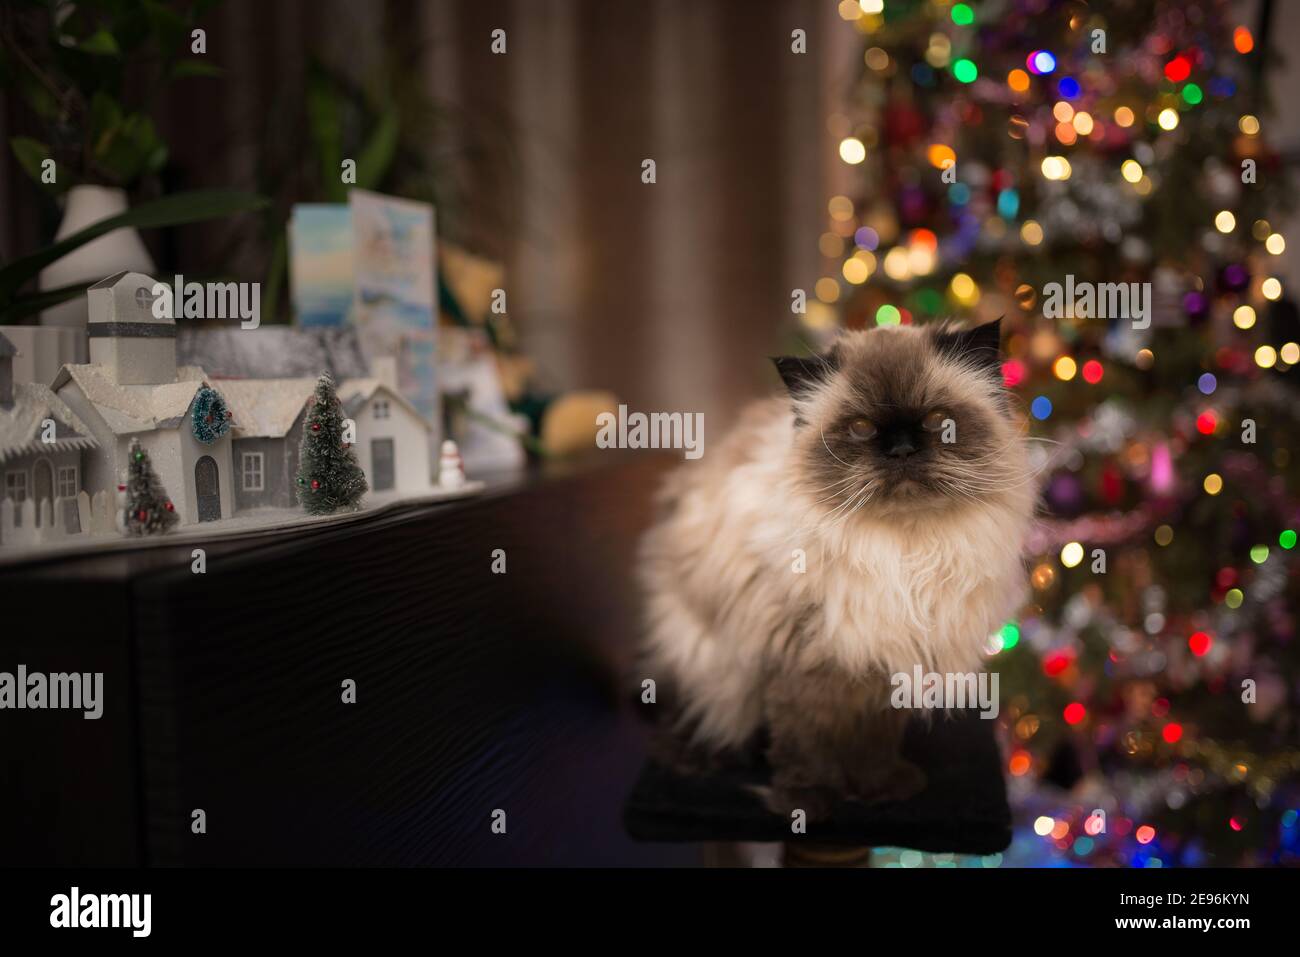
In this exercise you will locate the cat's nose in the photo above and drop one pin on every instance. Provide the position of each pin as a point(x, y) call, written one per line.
point(900, 446)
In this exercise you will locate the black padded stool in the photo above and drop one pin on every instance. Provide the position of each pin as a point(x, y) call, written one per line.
point(963, 809)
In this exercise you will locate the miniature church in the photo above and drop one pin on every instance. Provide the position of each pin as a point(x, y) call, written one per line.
point(132, 388)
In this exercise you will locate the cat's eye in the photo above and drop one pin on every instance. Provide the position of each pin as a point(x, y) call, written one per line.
point(933, 421)
point(861, 428)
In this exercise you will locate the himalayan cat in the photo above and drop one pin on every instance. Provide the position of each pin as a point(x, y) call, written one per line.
point(871, 521)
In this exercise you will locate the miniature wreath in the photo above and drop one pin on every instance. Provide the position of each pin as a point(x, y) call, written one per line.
point(211, 417)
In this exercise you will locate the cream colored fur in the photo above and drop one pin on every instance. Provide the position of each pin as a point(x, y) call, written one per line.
point(885, 588)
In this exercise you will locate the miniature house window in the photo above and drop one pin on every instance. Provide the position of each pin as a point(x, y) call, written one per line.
point(67, 483)
point(253, 472)
point(381, 408)
point(16, 486)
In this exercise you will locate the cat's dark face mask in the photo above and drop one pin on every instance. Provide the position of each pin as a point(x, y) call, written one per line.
point(901, 416)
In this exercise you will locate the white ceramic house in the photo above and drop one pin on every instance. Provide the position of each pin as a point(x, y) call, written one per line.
point(132, 389)
point(42, 445)
point(392, 439)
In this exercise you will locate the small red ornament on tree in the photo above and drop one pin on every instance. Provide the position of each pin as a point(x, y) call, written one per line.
point(314, 485)
point(170, 507)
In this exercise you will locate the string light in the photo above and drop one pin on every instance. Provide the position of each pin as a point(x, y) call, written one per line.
point(1225, 222)
point(1040, 62)
point(965, 71)
point(1275, 244)
point(852, 151)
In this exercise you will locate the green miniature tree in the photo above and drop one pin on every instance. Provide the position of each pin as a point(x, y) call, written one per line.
point(149, 510)
point(329, 478)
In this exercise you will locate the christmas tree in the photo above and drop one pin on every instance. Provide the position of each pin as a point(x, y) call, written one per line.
point(329, 478)
point(148, 511)
point(1026, 158)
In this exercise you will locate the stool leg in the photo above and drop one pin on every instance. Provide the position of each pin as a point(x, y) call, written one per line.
point(801, 854)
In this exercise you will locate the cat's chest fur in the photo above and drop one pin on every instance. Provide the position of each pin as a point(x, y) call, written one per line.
point(920, 590)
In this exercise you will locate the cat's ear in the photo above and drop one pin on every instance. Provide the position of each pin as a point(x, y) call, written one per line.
point(982, 344)
point(802, 374)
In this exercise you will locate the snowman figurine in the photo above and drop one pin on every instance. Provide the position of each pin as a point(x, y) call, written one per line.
point(451, 473)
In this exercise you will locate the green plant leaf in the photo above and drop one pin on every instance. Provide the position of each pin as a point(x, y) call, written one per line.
point(105, 115)
point(326, 126)
point(30, 154)
point(377, 155)
point(26, 305)
point(125, 151)
point(175, 210)
point(100, 43)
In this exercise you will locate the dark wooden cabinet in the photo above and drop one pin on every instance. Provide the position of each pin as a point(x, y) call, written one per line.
point(475, 691)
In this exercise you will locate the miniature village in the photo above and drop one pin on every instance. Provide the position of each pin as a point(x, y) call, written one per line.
point(131, 444)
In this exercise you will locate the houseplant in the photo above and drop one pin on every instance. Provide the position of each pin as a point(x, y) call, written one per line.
point(89, 73)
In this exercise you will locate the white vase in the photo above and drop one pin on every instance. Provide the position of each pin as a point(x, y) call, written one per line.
point(108, 254)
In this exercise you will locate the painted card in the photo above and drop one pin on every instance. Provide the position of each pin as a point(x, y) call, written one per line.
point(394, 289)
point(320, 263)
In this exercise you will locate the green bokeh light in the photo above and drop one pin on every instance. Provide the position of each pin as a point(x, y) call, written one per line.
point(965, 71)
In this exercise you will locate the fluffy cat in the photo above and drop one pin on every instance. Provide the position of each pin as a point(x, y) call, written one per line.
point(870, 522)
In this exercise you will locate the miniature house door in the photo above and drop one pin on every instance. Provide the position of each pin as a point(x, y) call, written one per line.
point(43, 487)
point(381, 464)
point(207, 489)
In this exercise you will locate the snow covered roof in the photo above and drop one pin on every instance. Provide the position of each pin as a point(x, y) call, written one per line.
point(354, 393)
point(135, 408)
point(20, 423)
point(266, 408)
